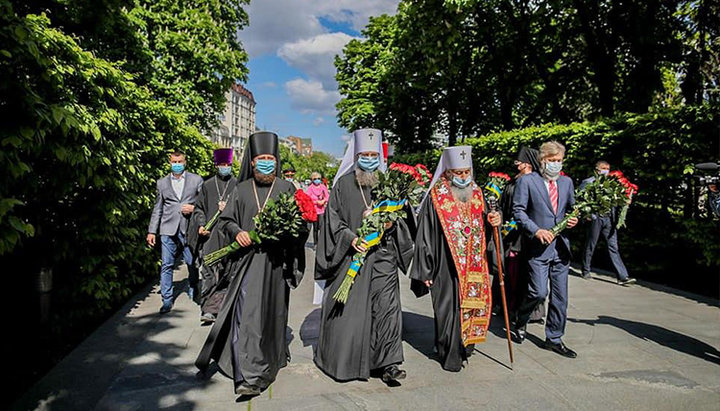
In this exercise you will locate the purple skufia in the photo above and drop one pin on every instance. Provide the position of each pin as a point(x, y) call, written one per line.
point(223, 155)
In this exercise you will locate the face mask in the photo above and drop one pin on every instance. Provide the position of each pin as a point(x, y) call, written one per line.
point(369, 163)
point(289, 179)
point(553, 168)
point(603, 172)
point(316, 181)
point(265, 166)
point(177, 168)
point(224, 170)
point(461, 183)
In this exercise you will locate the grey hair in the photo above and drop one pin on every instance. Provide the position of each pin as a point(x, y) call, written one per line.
point(551, 148)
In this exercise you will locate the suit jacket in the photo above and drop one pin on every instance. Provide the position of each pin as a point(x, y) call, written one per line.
point(532, 210)
point(166, 218)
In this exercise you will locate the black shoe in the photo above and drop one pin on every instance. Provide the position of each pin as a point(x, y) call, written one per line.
point(519, 333)
point(469, 350)
point(246, 389)
point(393, 373)
point(166, 307)
point(560, 348)
point(626, 281)
point(586, 276)
point(540, 321)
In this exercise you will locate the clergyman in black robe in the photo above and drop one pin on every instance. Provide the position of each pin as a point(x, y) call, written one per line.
point(451, 260)
point(248, 341)
point(213, 197)
point(365, 333)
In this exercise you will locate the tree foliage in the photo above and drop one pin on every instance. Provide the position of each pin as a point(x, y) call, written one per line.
point(465, 67)
point(304, 166)
point(90, 124)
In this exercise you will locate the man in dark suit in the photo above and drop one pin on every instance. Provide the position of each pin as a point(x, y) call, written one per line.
point(175, 197)
point(605, 224)
point(540, 201)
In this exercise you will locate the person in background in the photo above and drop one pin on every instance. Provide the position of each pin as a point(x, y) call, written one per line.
point(320, 196)
point(605, 224)
point(174, 204)
point(289, 175)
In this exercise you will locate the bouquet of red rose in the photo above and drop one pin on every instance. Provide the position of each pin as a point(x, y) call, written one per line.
point(402, 184)
point(598, 197)
point(306, 205)
point(281, 219)
point(630, 190)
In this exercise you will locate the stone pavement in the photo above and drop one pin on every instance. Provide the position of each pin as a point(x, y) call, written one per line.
point(641, 347)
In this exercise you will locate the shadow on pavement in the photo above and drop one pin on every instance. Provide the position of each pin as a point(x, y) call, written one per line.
point(310, 329)
point(419, 332)
point(663, 336)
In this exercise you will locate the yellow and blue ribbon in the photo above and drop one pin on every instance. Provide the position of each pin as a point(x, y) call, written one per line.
point(493, 188)
point(509, 226)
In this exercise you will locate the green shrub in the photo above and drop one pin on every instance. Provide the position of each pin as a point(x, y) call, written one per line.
point(666, 239)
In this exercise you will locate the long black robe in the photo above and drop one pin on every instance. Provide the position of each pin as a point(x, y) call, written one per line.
point(366, 332)
point(433, 261)
point(206, 205)
point(248, 340)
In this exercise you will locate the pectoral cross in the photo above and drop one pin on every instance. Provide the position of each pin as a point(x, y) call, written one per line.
point(463, 154)
point(370, 136)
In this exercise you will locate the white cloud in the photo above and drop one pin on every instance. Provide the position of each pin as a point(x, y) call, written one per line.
point(318, 121)
point(276, 22)
point(309, 97)
point(315, 56)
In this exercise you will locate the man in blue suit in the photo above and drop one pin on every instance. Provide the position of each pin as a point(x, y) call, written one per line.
point(606, 225)
point(174, 204)
point(540, 202)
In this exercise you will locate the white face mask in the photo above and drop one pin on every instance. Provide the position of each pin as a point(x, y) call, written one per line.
point(603, 172)
point(552, 169)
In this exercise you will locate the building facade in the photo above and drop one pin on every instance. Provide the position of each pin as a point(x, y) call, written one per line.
point(237, 121)
point(302, 145)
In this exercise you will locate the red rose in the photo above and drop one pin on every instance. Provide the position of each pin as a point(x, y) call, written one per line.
point(306, 206)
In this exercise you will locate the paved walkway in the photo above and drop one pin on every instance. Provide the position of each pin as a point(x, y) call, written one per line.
point(639, 347)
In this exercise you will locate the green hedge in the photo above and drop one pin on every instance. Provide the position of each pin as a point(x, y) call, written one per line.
point(667, 240)
point(81, 148)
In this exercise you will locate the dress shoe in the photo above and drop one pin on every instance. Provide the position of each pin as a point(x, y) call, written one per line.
point(586, 276)
point(626, 281)
point(520, 333)
point(393, 373)
point(166, 307)
point(560, 348)
point(540, 321)
point(469, 350)
point(246, 389)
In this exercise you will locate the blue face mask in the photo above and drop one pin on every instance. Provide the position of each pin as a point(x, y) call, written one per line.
point(265, 166)
point(553, 168)
point(368, 163)
point(317, 181)
point(603, 172)
point(224, 170)
point(177, 168)
point(461, 183)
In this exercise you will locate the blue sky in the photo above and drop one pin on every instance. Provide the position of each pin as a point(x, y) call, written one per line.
point(291, 44)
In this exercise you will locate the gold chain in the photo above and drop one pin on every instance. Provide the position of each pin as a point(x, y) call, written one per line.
point(257, 200)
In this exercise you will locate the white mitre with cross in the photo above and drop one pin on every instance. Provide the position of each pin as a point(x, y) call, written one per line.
point(452, 158)
point(364, 139)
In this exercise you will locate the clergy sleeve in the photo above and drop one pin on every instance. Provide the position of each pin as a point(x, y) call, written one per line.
point(428, 242)
point(335, 240)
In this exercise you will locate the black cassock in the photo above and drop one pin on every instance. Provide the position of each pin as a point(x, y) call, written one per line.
point(214, 190)
point(248, 339)
point(366, 332)
point(433, 261)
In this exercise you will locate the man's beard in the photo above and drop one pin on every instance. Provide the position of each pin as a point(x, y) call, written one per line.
point(461, 194)
point(366, 178)
point(264, 179)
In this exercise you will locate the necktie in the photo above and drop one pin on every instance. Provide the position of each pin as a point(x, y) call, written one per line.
point(552, 186)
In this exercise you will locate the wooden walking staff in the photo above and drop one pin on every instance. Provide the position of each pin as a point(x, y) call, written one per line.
point(496, 232)
point(492, 200)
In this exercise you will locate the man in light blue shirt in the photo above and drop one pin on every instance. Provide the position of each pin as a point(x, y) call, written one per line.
point(174, 204)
